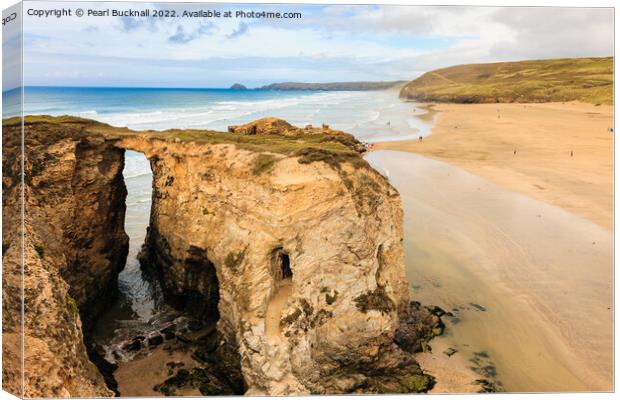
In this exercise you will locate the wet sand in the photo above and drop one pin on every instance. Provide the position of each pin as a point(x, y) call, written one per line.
point(138, 376)
point(452, 373)
point(530, 284)
point(482, 138)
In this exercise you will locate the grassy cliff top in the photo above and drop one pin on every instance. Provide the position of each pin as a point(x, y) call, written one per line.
point(291, 141)
point(589, 80)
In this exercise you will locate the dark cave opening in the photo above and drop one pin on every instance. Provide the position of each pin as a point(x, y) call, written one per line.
point(281, 265)
point(285, 266)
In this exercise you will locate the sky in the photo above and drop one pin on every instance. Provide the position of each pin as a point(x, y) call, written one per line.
point(330, 43)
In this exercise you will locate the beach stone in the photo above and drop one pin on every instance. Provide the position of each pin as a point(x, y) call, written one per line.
point(99, 349)
point(134, 345)
point(208, 342)
point(169, 332)
point(117, 355)
point(436, 310)
point(418, 325)
point(155, 340)
point(194, 325)
point(449, 351)
point(478, 307)
point(183, 337)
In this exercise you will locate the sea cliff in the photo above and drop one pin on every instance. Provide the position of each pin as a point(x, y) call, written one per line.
point(284, 238)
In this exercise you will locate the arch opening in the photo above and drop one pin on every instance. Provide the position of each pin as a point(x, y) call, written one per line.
point(147, 314)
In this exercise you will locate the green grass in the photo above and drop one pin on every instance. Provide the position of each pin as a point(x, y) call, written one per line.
point(330, 298)
point(40, 249)
point(589, 80)
point(289, 319)
point(308, 155)
point(48, 119)
point(44, 125)
point(233, 260)
point(333, 147)
point(257, 143)
point(72, 307)
point(263, 163)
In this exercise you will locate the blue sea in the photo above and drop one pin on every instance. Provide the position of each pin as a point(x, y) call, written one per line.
point(370, 116)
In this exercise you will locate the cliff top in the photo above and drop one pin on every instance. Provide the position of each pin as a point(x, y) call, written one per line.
point(264, 135)
point(588, 80)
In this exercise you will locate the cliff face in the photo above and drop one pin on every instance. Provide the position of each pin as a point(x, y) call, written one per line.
point(216, 223)
point(74, 248)
point(11, 262)
point(291, 242)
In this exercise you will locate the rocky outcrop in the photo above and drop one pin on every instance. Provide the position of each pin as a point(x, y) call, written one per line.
point(339, 227)
point(272, 229)
point(74, 247)
point(276, 127)
point(11, 262)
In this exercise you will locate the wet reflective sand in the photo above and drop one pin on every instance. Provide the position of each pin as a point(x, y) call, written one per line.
point(530, 283)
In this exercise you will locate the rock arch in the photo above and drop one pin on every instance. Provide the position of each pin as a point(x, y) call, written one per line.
point(220, 206)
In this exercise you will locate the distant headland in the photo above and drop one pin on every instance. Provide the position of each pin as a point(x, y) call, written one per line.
point(364, 85)
point(589, 80)
point(334, 86)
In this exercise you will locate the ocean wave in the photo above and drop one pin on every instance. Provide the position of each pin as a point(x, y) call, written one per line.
point(137, 174)
point(356, 112)
point(374, 115)
point(138, 202)
point(221, 113)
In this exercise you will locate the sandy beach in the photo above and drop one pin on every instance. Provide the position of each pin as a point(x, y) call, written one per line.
point(527, 148)
point(138, 376)
point(529, 283)
point(515, 216)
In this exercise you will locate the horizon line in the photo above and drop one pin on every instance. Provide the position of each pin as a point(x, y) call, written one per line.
point(196, 88)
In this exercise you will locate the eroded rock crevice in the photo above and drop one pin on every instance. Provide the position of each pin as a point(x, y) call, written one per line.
point(95, 243)
point(74, 247)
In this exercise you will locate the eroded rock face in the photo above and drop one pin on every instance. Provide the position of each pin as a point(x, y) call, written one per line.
point(339, 228)
point(290, 241)
point(74, 248)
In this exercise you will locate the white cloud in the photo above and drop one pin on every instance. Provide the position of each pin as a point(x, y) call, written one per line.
point(329, 42)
